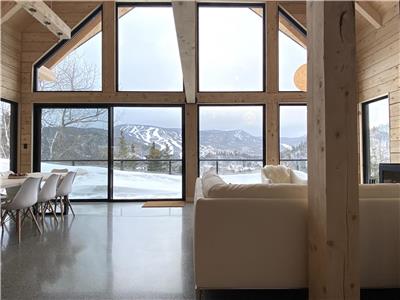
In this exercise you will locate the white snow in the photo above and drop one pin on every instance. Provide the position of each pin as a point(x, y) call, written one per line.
point(4, 164)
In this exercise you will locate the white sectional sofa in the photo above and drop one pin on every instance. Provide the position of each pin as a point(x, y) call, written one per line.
point(255, 236)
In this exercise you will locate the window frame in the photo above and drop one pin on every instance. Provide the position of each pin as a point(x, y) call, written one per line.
point(60, 44)
point(14, 120)
point(264, 128)
point(279, 132)
point(139, 4)
point(282, 13)
point(264, 42)
point(37, 126)
point(366, 135)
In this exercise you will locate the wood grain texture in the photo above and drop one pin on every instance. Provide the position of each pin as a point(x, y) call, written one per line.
point(332, 152)
point(185, 15)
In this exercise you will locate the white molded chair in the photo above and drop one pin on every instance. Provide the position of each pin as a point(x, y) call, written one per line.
point(63, 191)
point(47, 194)
point(24, 199)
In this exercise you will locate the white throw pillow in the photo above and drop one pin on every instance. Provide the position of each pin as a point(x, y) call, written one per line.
point(277, 174)
point(298, 177)
point(210, 180)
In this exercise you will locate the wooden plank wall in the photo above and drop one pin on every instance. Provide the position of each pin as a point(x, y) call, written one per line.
point(378, 58)
point(10, 63)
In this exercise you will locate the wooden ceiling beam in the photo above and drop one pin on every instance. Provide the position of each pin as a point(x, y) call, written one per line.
point(369, 13)
point(185, 22)
point(8, 10)
point(46, 16)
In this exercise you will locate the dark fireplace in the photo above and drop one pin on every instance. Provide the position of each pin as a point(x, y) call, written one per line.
point(389, 173)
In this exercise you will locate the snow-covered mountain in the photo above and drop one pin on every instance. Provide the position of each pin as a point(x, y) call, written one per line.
point(143, 136)
point(139, 139)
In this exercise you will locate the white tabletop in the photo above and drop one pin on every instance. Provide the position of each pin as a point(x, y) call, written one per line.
point(6, 182)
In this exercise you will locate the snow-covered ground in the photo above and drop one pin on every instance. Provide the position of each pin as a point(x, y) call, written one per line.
point(91, 182)
point(4, 164)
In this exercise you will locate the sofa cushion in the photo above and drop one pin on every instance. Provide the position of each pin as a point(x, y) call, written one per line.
point(298, 177)
point(284, 191)
point(210, 180)
point(276, 174)
point(377, 191)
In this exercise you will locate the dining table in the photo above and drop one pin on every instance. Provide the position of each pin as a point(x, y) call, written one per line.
point(6, 182)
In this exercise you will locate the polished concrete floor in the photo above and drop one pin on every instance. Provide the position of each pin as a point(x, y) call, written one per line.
point(111, 251)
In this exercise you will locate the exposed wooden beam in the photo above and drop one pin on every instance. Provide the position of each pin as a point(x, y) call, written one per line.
point(45, 15)
point(333, 212)
point(185, 22)
point(369, 13)
point(46, 74)
point(291, 31)
point(8, 10)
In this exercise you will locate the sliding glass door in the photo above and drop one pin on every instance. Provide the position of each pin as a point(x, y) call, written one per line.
point(147, 153)
point(76, 139)
point(118, 152)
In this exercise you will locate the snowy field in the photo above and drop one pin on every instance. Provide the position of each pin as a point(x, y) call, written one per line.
point(91, 182)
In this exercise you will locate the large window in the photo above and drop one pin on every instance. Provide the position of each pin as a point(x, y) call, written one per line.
point(8, 135)
point(118, 152)
point(292, 55)
point(76, 139)
point(375, 137)
point(147, 153)
point(231, 47)
point(75, 64)
point(148, 53)
point(293, 136)
point(231, 140)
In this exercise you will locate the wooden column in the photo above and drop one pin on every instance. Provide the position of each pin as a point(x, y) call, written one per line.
point(109, 40)
point(272, 132)
point(332, 152)
point(191, 158)
point(272, 82)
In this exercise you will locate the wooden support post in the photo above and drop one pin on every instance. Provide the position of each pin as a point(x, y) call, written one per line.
point(185, 23)
point(272, 57)
point(272, 132)
point(109, 40)
point(191, 155)
point(332, 152)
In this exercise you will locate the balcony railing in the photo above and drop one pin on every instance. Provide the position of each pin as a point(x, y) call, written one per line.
point(122, 163)
point(218, 161)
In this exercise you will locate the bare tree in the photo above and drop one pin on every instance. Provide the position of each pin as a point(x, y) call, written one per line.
point(5, 115)
point(58, 140)
point(73, 73)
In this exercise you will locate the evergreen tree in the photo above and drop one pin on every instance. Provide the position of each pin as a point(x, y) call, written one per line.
point(153, 164)
point(123, 151)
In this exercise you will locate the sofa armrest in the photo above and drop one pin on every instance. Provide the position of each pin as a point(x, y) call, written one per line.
point(250, 243)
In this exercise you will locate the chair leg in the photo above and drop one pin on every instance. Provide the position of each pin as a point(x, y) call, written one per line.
point(70, 205)
point(18, 225)
point(53, 211)
point(34, 219)
point(62, 207)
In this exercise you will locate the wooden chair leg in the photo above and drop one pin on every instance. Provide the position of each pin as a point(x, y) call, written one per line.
point(70, 205)
point(18, 225)
point(62, 207)
point(53, 211)
point(34, 219)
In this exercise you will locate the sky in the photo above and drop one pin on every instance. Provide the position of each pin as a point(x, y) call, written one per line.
point(379, 113)
point(230, 55)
